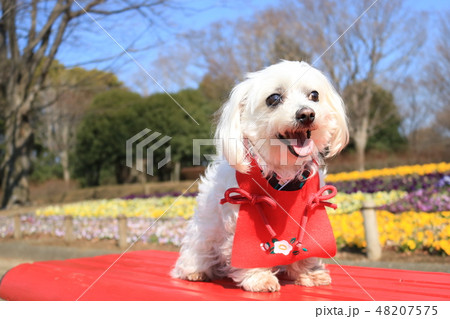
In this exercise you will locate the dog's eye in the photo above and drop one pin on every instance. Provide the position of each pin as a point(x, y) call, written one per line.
point(273, 100)
point(314, 96)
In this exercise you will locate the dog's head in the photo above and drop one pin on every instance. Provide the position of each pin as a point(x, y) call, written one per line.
point(285, 115)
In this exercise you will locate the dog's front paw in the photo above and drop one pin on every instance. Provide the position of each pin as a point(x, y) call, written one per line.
point(314, 278)
point(197, 276)
point(261, 282)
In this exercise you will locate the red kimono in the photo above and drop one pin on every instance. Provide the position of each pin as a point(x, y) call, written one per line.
point(279, 227)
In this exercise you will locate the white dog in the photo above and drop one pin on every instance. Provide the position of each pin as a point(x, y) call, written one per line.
point(286, 118)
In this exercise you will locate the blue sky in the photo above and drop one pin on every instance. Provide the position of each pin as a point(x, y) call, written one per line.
point(85, 46)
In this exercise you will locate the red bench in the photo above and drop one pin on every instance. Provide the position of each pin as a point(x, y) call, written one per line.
point(144, 275)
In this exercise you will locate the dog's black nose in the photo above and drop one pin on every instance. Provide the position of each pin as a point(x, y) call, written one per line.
point(305, 116)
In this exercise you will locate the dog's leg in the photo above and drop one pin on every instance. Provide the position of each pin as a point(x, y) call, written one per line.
point(309, 272)
point(193, 265)
point(256, 280)
point(197, 256)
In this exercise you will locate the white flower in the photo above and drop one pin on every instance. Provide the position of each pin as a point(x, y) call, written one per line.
point(282, 247)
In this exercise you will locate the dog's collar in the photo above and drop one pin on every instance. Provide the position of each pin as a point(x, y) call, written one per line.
point(292, 185)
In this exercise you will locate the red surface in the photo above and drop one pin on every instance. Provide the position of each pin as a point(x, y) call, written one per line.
point(144, 275)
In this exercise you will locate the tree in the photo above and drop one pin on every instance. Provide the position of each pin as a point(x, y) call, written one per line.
point(101, 136)
point(64, 100)
point(228, 49)
point(31, 32)
point(428, 110)
point(358, 54)
point(117, 115)
point(437, 80)
point(415, 115)
point(159, 113)
point(359, 44)
point(386, 135)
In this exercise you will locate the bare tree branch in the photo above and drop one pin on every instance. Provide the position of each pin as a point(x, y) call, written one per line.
point(376, 49)
point(31, 33)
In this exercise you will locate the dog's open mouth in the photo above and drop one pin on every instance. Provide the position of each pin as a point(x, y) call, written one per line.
point(299, 142)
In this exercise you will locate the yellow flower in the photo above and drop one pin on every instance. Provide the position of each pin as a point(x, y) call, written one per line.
point(411, 244)
point(406, 229)
point(420, 235)
point(399, 170)
point(437, 245)
point(445, 233)
point(445, 246)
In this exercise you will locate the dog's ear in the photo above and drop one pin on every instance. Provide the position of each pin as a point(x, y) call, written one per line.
point(340, 136)
point(229, 139)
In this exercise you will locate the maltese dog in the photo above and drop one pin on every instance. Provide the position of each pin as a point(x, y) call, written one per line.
point(261, 202)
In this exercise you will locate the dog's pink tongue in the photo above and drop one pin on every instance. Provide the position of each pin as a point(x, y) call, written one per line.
point(305, 149)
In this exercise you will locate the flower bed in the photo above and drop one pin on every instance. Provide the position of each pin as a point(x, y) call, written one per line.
point(159, 195)
point(408, 183)
point(168, 206)
point(389, 172)
point(151, 230)
point(408, 231)
point(414, 212)
point(425, 200)
point(348, 203)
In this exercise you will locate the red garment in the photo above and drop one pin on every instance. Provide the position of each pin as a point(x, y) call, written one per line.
point(270, 222)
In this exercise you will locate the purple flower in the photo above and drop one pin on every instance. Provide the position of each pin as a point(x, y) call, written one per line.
point(444, 181)
point(409, 183)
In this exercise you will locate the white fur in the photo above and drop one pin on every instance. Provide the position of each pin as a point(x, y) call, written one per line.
point(246, 121)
